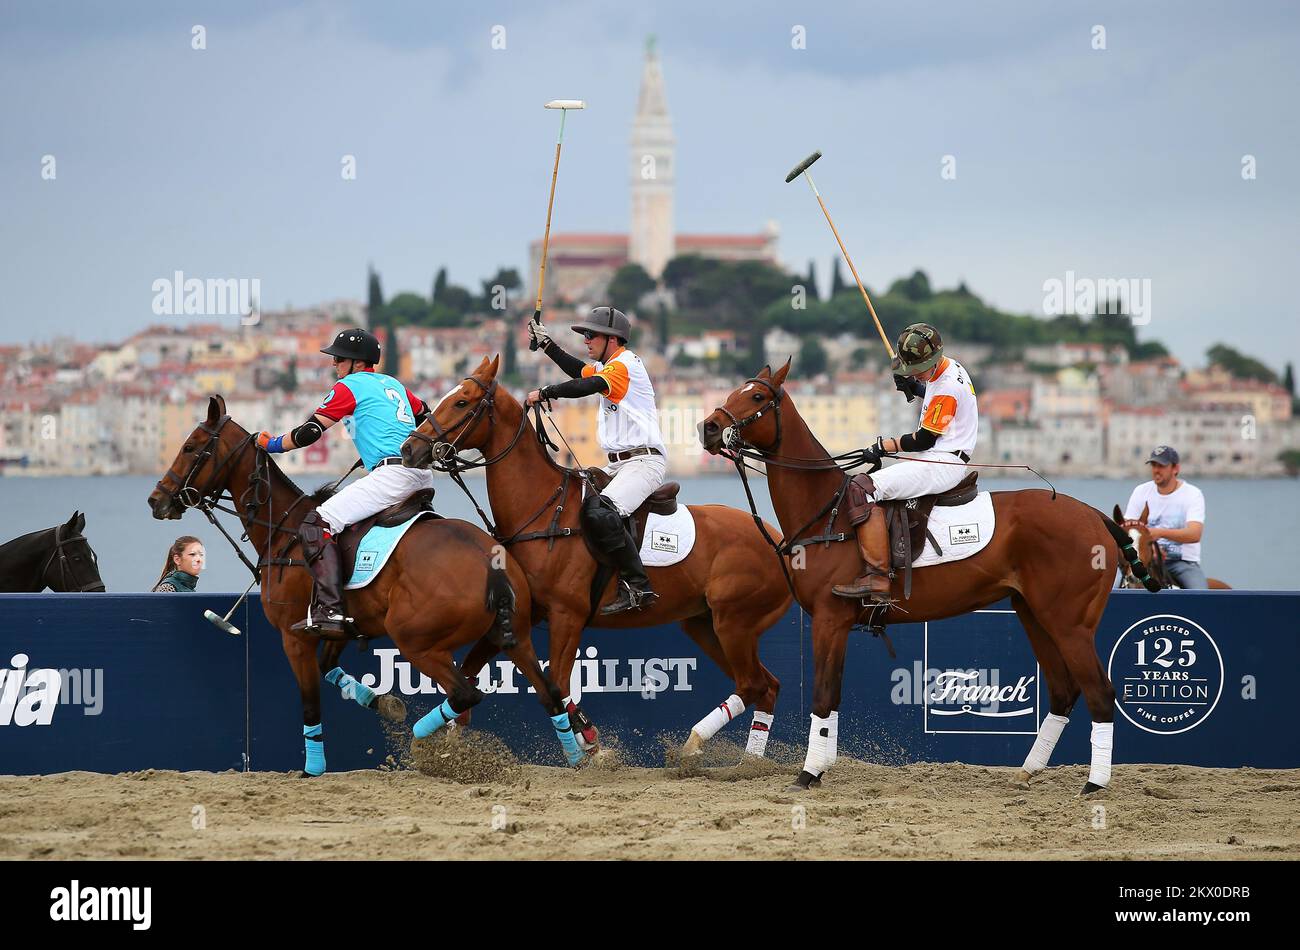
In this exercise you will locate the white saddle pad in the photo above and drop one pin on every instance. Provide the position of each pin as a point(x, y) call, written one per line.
point(668, 538)
point(961, 531)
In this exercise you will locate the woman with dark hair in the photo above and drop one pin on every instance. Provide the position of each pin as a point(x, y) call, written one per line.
point(183, 565)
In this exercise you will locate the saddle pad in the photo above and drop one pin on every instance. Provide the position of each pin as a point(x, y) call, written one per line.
point(961, 531)
point(668, 538)
point(374, 549)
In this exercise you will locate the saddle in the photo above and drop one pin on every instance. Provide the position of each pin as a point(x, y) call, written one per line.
point(662, 501)
point(909, 520)
point(389, 517)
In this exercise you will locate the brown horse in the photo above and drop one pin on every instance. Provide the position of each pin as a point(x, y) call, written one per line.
point(446, 585)
point(725, 593)
point(1052, 555)
point(1150, 553)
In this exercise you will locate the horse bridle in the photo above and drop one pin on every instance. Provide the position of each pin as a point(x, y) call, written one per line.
point(65, 568)
point(188, 496)
point(732, 439)
point(1156, 564)
point(442, 448)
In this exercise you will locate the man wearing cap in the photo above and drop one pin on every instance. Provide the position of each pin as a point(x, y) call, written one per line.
point(945, 436)
point(1176, 517)
point(380, 413)
point(628, 431)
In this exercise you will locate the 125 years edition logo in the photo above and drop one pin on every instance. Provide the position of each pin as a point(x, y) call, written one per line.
point(1168, 674)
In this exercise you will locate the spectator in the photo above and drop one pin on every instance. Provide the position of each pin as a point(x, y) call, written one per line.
point(1177, 518)
point(183, 565)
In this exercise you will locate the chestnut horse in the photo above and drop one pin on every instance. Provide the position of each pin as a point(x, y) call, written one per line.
point(725, 593)
point(446, 585)
point(1054, 556)
point(1150, 553)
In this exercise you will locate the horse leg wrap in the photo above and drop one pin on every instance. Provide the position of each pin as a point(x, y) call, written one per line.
point(563, 729)
point(833, 739)
point(759, 731)
point(314, 741)
point(350, 688)
point(583, 728)
point(723, 713)
point(817, 762)
point(1103, 741)
point(435, 720)
point(1049, 733)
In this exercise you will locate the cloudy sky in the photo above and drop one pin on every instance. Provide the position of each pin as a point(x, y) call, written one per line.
point(225, 162)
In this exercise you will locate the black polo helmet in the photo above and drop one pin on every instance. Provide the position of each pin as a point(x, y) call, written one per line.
point(608, 321)
point(354, 344)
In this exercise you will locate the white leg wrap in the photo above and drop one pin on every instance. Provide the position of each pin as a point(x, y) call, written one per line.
point(1103, 740)
point(833, 740)
point(819, 733)
point(759, 730)
point(719, 717)
point(1049, 733)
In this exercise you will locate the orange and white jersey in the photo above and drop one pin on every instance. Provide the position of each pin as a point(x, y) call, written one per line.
point(949, 409)
point(629, 418)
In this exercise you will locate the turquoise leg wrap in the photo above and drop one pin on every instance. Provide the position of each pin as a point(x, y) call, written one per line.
point(351, 688)
point(434, 721)
point(572, 752)
point(315, 743)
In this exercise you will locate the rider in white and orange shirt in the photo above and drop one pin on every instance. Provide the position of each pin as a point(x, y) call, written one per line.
point(628, 431)
point(946, 434)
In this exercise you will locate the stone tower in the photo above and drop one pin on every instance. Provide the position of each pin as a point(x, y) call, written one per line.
point(650, 241)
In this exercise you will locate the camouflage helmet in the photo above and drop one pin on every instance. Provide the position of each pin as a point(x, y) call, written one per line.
point(920, 348)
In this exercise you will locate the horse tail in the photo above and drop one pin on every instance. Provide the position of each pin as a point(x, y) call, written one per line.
point(500, 602)
point(1129, 552)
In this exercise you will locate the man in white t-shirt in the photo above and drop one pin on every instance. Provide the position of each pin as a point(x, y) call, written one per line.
point(938, 452)
point(1176, 517)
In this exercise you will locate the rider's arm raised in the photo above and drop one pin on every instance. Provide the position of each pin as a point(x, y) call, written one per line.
point(566, 361)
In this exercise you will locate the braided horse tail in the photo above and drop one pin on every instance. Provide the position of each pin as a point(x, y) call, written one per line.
point(1130, 553)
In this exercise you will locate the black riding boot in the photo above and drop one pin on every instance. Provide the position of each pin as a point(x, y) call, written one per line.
point(605, 528)
point(634, 586)
point(325, 617)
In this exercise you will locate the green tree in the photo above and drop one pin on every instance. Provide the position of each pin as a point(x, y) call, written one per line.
point(439, 284)
point(507, 278)
point(392, 358)
point(288, 381)
point(407, 309)
point(813, 360)
point(1290, 458)
point(1238, 364)
point(629, 284)
point(375, 301)
point(837, 282)
point(1288, 379)
point(810, 282)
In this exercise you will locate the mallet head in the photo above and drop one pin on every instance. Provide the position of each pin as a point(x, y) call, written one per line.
point(566, 104)
point(803, 166)
point(221, 623)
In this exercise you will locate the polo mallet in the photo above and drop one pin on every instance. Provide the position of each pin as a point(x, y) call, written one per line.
point(223, 623)
point(802, 169)
point(564, 105)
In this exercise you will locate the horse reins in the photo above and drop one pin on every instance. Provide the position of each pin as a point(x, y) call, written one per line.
point(65, 568)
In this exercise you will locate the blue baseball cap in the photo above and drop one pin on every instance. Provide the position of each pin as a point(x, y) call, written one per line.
point(1164, 454)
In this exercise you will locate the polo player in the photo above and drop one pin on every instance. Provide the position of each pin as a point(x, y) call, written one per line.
point(949, 425)
point(628, 432)
point(380, 414)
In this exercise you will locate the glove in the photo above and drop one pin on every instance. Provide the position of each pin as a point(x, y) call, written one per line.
point(539, 335)
point(270, 443)
point(909, 386)
point(871, 456)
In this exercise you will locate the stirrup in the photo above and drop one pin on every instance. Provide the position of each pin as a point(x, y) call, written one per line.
point(322, 624)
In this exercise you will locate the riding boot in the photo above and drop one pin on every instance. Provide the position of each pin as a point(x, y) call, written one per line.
point(634, 590)
point(325, 616)
point(873, 543)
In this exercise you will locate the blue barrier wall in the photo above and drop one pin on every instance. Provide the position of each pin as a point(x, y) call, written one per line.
point(145, 682)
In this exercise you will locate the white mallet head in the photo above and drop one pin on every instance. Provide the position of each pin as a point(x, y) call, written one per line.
point(566, 104)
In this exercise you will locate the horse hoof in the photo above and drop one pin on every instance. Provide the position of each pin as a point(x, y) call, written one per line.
point(306, 774)
point(1091, 787)
point(804, 782)
point(1022, 779)
point(694, 745)
point(390, 707)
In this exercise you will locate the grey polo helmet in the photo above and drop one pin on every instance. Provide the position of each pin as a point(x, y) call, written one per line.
point(608, 321)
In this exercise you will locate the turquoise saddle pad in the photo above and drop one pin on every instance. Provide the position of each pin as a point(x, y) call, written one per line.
point(374, 550)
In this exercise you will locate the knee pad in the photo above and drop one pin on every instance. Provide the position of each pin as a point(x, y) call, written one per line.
point(599, 517)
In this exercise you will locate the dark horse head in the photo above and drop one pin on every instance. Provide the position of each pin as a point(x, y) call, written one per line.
point(59, 558)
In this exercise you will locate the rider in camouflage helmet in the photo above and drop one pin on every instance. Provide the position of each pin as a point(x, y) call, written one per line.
point(920, 348)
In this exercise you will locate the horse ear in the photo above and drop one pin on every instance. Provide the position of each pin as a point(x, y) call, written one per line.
point(1119, 515)
point(216, 408)
point(492, 369)
point(1146, 511)
point(779, 377)
point(73, 520)
point(764, 373)
point(80, 519)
